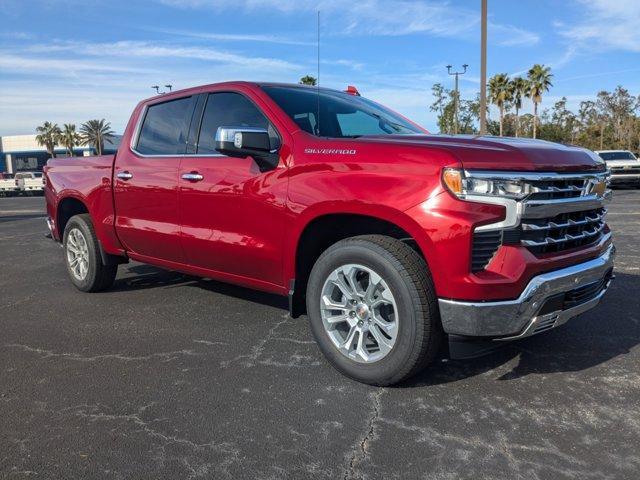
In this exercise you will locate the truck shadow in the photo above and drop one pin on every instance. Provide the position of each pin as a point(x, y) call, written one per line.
point(596, 337)
point(612, 329)
point(148, 276)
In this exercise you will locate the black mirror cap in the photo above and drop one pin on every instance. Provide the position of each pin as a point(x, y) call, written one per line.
point(243, 141)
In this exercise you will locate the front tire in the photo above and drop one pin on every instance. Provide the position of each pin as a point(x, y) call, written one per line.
point(373, 310)
point(82, 256)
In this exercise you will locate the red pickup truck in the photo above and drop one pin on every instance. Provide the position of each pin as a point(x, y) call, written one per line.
point(387, 237)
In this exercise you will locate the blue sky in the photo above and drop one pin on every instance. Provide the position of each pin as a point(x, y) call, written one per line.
point(71, 60)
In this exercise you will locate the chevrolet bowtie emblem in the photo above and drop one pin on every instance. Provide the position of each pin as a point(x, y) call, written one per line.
point(595, 187)
point(599, 187)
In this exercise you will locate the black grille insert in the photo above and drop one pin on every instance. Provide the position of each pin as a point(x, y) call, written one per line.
point(485, 246)
point(577, 296)
point(585, 293)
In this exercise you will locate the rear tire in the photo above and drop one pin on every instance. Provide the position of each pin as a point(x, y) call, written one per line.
point(394, 347)
point(82, 256)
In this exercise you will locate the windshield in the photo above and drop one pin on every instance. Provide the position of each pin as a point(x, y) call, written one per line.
point(341, 115)
point(622, 155)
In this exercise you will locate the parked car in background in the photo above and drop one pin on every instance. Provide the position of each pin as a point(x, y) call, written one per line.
point(386, 236)
point(624, 166)
point(29, 182)
point(7, 184)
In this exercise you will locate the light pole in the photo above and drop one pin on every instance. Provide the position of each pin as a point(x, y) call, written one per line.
point(455, 97)
point(483, 68)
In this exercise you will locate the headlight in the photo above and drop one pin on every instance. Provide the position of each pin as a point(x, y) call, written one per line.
point(463, 185)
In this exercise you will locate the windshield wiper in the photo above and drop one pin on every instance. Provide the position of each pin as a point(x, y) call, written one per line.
point(396, 126)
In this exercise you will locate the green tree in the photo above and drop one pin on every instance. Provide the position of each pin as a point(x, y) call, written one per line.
point(469, 116)
point(95, 133)
point(619, 107)
point(441, 99)
point(559, 124)
point(69, 138)
point(539, 78)
point(308, 80)
point(592, 124)
point(500, 94)
point(444, 105)
point(48, 135)
point(519, 87)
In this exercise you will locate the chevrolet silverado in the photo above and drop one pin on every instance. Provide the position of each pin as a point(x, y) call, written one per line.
point(391, 240)
point(623, 166)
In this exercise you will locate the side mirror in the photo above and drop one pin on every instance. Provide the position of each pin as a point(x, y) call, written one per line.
point(244, 142)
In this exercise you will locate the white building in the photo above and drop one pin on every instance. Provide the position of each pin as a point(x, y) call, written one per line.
point(23, 153)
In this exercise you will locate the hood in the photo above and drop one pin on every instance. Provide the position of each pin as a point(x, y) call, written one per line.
point(502, 153)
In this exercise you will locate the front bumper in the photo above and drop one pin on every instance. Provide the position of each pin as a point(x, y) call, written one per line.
point(549, 300)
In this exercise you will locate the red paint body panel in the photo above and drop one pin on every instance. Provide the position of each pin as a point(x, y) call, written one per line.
point(88, 180)
point(243, 226)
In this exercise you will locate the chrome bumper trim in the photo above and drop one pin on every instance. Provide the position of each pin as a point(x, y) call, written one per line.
point(518, 318)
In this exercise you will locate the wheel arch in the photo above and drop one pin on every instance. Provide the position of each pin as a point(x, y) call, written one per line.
point(325, 227)
point(67, 208)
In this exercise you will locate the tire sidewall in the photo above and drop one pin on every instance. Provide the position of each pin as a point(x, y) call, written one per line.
point(89, 280)
point(409, 328)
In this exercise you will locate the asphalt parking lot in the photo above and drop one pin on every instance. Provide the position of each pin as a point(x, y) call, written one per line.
point(168, 377)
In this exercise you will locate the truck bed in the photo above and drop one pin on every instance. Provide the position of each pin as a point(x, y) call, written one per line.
point(88, 180)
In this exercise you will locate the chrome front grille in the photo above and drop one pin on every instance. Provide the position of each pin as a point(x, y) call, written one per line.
point(563, 232)
point(555, 189)
point(561, 212)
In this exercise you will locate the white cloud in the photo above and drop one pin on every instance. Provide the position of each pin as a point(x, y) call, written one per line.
point(25, 105)
point(46, 66)
point(142, 49)
point(65, 81)
point(232, 37)
point(345, 63)
point(605, 25)
point(510, 36)
point(382, 17)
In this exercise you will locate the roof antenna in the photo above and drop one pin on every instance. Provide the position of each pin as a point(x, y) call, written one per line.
point(318, 81)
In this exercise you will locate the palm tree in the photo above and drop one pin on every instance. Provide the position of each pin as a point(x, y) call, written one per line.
point(308, 80)
point(519, 88)
point(500, 93)
point(95, 133)
point(48, 136)
point(70, 138)
point(539, 82)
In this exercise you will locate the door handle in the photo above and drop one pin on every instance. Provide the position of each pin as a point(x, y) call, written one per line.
point(124, 175)
point(192, 176)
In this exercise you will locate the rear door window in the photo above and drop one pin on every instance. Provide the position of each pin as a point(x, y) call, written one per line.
point(165, 127)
